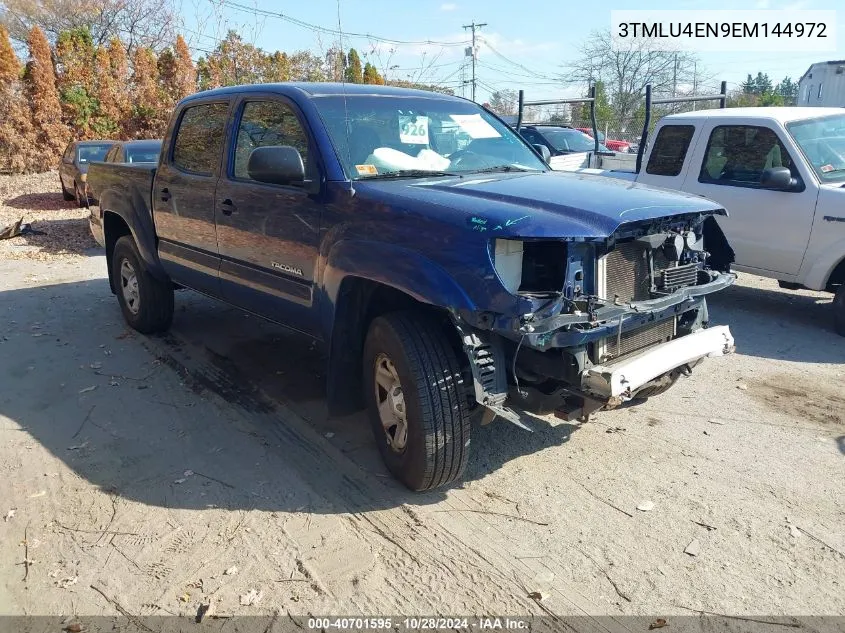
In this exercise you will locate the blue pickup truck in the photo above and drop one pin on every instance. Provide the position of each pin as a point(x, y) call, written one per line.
point(448, 274)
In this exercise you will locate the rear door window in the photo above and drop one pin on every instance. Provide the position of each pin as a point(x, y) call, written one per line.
point(199, 139)
point(670, 150)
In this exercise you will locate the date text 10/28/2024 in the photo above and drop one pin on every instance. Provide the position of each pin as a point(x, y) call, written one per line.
point(420, 624)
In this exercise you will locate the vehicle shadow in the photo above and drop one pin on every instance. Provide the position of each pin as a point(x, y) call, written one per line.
point(59, 237)
point(41, 201)
point(225, 410)
point(779, 324)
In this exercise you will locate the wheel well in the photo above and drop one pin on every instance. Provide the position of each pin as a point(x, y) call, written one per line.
point(837, 277)
point(114, 227)
point(359, 302)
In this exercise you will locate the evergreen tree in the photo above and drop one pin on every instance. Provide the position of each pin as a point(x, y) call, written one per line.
point(186, 75)
point(371, 75)
point(106, 124)
point(354, 73)
point(148, 114)
point(17, 138)
point(75, 57)
point(51, 135)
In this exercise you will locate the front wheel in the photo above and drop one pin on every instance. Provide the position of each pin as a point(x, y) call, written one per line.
point(416, 400)
point(839, 310)
point(146, 302)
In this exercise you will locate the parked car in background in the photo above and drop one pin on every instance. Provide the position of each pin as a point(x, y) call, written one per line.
point(438, 283)
point(567, 147)
point(613, 145)
point(560, 139)
point(73, 169)
point(141, 151)
point(780, 173)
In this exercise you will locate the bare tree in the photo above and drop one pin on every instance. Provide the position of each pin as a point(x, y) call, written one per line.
point(138, 23)
point(504, 101)
point(626, 71)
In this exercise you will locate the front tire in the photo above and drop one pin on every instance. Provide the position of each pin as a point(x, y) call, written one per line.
point(839, 310)
point(146, 302)
point(416, 400)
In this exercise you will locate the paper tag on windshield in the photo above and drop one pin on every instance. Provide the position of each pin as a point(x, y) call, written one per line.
point(475, 126)
point(413, 129)
point(366, 170)
point(826, 168)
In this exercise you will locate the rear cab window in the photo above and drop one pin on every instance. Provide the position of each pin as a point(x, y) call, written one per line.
point(199, 140)
point(670, 150)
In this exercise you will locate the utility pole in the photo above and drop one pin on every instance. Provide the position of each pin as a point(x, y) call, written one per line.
point(473, 26)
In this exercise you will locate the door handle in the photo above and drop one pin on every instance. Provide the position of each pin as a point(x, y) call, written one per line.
point(227, 207)
point(165, 195)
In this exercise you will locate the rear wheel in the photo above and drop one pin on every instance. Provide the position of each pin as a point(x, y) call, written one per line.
point(67, 195)
point(146, 302)
point(80, 196)
point(839, 310)
point(416, 400)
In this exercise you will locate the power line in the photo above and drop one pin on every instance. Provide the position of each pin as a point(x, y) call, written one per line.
point(473, 26)
point(533, 73)
point(330, 31)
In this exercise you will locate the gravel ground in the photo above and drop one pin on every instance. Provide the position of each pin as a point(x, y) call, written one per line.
point(139, 471)
point(38, 200)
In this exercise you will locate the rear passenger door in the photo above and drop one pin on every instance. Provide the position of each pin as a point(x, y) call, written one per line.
point(268, 234)
point(183, 196)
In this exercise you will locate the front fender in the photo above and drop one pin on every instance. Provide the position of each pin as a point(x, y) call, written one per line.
point(405, 270)
point(819, 273)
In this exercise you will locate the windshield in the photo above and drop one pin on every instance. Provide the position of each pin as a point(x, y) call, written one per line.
point(822, 141)
point(89, 153)
point(418, 136)
point(568, 140)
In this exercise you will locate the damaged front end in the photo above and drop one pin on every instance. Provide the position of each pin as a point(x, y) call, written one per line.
point(602, 321)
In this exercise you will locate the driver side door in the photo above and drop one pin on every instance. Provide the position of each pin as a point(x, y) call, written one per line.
point(768, 229)
point(268, 234)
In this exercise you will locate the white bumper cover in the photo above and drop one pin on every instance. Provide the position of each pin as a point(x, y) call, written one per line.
point(622, 379)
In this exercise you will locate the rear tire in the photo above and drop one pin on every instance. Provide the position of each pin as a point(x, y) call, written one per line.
point(412, 373)
point(839, 310)
point(80, 197)
point(146, 302)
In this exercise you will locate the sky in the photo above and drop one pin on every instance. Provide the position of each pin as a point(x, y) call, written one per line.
point(521, 46)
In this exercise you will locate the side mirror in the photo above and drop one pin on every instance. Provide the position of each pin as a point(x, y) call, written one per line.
point(544, 152)
point(276, 165)
point(778, 178)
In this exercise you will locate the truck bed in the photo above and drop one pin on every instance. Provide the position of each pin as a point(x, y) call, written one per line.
point(113, 185)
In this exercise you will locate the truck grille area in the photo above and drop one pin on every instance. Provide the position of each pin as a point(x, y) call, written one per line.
point(627, 277)
point(626, 273)
point(679, 276)
point(637, 340)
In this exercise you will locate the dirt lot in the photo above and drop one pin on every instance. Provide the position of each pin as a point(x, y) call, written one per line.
point(161, 473)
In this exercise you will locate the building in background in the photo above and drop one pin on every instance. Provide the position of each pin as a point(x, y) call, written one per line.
point(823, 85)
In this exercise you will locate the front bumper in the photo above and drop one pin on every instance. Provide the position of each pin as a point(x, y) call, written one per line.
point(624, 378)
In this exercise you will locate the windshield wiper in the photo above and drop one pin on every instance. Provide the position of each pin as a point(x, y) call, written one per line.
point(409, 173)
point(489, 170)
